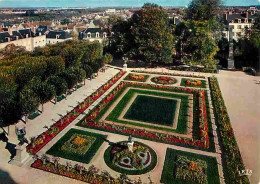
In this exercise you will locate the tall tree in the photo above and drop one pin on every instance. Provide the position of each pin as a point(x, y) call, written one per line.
point(201, 10)
point(152, 37)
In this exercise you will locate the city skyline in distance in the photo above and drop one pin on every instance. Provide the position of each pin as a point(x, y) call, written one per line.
point(110, 3)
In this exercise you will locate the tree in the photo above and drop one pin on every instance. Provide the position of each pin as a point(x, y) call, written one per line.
point(70, 77)
point(108, 58)
point(72, 56)
point(59, 84)
point(9, 112)
point(87, 69)
point(55, 66)
point(201, 10)
point(28, 101)
point(201, 45)
point(152, 37)
point(80, 74)
point(44, 92)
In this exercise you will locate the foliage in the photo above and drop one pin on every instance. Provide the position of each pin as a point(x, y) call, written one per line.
point(46, 72)
point(248, 46)
point(108, 58)
point(201, 10)
point(201, 45)
point(145, 36)
point(59, 83)
point(28, 101)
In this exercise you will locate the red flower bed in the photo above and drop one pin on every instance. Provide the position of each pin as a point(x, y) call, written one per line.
point(203, 142)
point(39, 142)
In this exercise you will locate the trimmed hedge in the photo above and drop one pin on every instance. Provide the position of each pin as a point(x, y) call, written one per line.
point(168, 173)
point(232, 160)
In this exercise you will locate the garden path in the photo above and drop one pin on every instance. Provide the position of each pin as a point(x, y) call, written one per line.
point(241, 95)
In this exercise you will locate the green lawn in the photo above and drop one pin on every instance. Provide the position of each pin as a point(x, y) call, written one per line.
point(182, 119)
point(170, 165)
point(152, 110)
point(56, 149)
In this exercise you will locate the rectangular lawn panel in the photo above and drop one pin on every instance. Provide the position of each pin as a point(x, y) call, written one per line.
point(153, 110)
point(182, 167)
point(77, 145)
point(182, 119)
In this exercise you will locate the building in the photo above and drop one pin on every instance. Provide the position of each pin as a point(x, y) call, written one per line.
point(28, 38)
point(92, 33)
point(57, 36)
point(236, 24)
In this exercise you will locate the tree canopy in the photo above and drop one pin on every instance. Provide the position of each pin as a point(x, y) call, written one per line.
point(31, 78)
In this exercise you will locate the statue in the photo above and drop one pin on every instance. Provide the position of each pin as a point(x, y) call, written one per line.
point(20, 133)
point(125, 64)
point(130, 143)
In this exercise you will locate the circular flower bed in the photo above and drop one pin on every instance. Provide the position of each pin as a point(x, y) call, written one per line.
point(141, 160)
point(164, 80)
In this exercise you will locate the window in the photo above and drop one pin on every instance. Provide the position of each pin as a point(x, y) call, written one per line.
point(89, 35)
point(239, 27)
point(97, 34)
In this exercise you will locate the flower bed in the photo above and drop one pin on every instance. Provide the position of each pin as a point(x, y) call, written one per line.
point(171, 74)
point(186, 168)
point(119, 158)
point(193, 83)
point(77, 145)
point(164, 80)
point(136, 77)
point(233, 162)
point(88, 175)
point(191, 170)
point(40, 141)
point(201, 142)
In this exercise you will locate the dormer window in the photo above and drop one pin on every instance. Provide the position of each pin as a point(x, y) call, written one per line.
point(89, 35)
point(104, 35)
point(27, 36)
point(97, 34)
point(57, 36)
point(239, 20)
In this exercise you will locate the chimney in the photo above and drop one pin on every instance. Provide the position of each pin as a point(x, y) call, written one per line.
point(225, 16)
point(34, 30)
point(10, 31)
point(247, 15)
